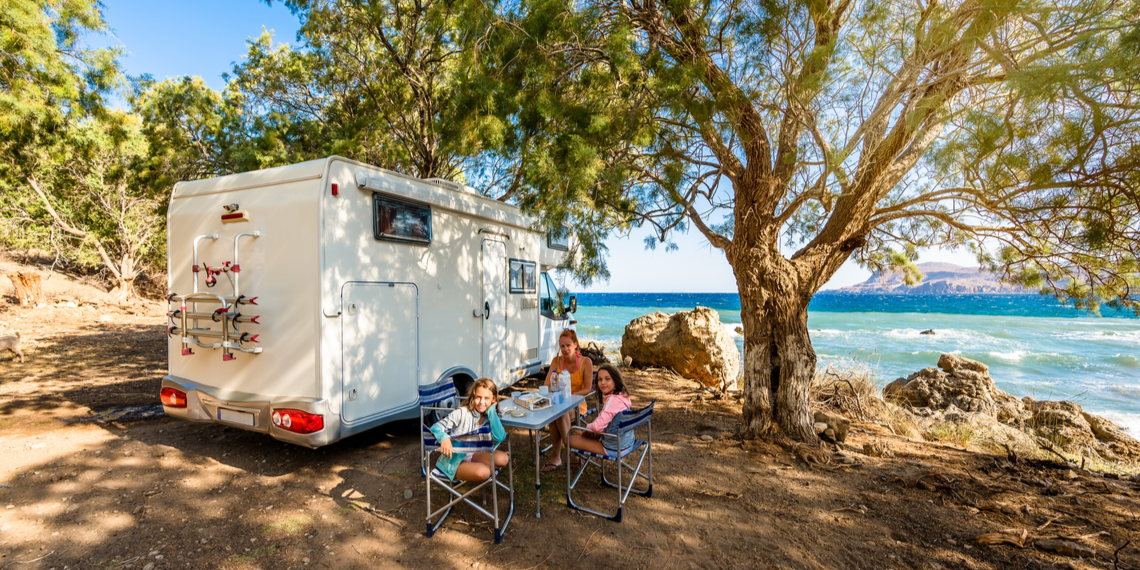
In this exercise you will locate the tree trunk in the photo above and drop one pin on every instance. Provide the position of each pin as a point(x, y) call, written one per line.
point(779, 361)
point(124, 278)
point(29, 289)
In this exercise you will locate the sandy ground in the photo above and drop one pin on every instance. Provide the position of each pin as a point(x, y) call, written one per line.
point(162, 493)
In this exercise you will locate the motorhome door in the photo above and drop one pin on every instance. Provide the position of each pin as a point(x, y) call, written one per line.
point(380, 355)
point(495, 311)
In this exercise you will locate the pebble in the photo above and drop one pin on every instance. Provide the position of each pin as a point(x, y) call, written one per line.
point(707, 437)
point(137, 510)
point(407, 494)
point(149, 566)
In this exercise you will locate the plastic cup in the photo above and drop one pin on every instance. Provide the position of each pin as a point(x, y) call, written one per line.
point(544, 390)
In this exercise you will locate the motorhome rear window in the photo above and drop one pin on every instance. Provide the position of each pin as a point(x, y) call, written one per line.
point(401, 221)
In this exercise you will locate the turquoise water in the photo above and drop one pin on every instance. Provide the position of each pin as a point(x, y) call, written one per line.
point(1033, 345)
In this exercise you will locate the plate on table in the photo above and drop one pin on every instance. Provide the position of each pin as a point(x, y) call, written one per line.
point(518, 413)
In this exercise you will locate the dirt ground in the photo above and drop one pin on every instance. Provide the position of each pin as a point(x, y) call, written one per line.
point(160, 493)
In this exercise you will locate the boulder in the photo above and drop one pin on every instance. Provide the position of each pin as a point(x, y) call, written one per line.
point(1061, 422)
point(962, 383)
point(834, 427)
point(961, 391)
point(692, 343)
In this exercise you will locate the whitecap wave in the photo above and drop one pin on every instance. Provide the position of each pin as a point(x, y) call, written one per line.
point(730, 328)
point(940, 335)
point(1011, 356)
point(1123, 337)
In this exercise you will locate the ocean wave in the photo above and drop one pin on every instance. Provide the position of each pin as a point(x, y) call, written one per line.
point(1011, 356)
point(940, 335)
point(730, 328)
point(1127, 360)
point(1126, 391)
point(1126, 337)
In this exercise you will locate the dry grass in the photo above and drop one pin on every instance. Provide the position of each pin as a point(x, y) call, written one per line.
point(850, 391)
point(959, 434)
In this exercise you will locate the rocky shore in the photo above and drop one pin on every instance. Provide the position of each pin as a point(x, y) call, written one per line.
point(961, 392)
point(956, 400)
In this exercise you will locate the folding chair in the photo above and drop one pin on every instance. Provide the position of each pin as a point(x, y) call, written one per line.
point(627, 421)
point(478, 441)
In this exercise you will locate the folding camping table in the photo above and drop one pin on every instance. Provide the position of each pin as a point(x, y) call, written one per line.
point(534, 421)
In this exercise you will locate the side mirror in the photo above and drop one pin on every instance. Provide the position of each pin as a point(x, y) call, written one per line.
point(573, 304)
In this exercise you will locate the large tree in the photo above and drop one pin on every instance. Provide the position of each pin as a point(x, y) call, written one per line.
point(794, 136)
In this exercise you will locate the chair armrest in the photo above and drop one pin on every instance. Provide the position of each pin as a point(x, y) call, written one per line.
point(601, 433)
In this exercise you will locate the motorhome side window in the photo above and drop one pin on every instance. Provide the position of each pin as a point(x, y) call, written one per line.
point(549, 302)
point(401, 221)
point(558, 239)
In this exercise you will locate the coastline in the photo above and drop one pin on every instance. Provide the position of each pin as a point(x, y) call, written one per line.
point(1037, 348)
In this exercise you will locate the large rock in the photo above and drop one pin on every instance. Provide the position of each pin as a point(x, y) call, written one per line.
point(1070, 427)
point(962, 383)
point(1061, 422)
point(692, 343)
point(961, 391)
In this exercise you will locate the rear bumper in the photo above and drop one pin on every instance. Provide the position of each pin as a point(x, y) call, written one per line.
point(203, 402)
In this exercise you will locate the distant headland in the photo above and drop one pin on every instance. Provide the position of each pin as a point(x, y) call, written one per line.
point(940, 279)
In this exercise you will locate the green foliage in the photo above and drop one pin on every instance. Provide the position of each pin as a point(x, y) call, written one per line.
point(67, 180)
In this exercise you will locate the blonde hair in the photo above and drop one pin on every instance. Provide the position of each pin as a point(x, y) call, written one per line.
point(483, 382)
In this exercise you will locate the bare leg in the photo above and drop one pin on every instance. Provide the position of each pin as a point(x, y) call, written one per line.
point(558, 435)
point(501, 458)
point(587, 444)
point(473, 471)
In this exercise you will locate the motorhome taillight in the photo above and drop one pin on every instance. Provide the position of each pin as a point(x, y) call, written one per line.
point(173, 398)
point(298, 421)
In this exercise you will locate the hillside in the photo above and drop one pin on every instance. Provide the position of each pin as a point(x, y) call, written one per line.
point(940, 279)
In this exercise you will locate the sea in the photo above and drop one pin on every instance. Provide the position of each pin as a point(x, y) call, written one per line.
point(1034, 345)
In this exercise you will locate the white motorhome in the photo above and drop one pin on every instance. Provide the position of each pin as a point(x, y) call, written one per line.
point(310, 301)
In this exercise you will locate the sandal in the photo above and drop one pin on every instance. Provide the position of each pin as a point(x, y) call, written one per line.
point(551, 467)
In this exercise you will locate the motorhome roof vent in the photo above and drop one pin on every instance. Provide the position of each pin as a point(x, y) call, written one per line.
point(448, 184)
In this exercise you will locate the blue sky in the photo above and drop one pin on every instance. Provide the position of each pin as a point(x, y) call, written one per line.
point(206, 37)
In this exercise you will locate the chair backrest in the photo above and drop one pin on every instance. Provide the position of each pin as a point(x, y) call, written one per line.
point(633, 419)
point(478, 441)
point(432, 394)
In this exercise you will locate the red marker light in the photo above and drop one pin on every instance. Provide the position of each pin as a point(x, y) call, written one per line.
point(334, 189)
point(298, 421)
point(173, 398)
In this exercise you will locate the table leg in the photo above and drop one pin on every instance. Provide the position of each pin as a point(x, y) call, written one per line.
point(537, 474)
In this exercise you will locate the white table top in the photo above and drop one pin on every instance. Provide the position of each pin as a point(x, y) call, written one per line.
point(538, 419)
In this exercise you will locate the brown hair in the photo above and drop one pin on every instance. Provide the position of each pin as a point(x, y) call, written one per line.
point(573, 336)
point(484, 382)
point(619, 385)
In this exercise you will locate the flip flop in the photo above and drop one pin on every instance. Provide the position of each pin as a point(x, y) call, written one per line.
point(551, 467)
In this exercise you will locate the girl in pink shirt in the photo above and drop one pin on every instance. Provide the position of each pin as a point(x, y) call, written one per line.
point(614, 400)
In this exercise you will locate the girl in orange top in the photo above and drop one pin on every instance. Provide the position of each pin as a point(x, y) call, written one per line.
point(581, 381)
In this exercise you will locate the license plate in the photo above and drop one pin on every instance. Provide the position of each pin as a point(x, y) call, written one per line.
point(235, 417)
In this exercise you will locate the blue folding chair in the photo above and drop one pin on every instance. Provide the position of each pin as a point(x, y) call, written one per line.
point(629, 420)
point(479, 441)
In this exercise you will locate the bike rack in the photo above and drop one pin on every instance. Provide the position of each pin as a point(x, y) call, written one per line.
point(188, 315)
